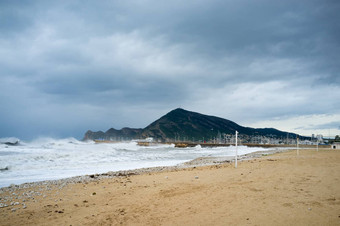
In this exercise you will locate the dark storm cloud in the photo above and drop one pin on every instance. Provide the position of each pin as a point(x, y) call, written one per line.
point(107, 89)
point(71, 65)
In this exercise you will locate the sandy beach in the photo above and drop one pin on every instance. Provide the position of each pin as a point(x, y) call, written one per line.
point(277, 189)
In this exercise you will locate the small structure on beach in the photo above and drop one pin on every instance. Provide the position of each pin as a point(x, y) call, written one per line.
point(336, 145)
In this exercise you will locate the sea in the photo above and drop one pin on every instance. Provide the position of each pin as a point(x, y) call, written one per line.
point(50, 159)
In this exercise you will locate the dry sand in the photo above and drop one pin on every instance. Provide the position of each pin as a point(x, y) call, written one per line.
point(279, 189)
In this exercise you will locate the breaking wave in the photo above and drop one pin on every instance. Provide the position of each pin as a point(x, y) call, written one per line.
point(48, 158)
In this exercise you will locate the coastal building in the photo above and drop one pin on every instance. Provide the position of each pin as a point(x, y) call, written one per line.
point(319, 137)
point(336, 145)
point(149, 139)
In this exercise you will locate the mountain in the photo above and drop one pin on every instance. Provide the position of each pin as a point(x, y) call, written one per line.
point(180, 124)
point(113, 134)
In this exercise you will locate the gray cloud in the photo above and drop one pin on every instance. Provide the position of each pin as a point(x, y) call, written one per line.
point(66, 67)
point(331, 125)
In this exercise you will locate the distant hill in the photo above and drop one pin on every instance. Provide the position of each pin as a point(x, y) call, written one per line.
point(113, 134)
point(183, 124)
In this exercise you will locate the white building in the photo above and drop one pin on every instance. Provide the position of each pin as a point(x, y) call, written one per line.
point(336, 145)
point(149, 139)
point(319, 137)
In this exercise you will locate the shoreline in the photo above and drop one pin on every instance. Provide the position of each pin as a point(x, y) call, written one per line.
point(200, 161)
point(46, 185)
point(276, 187)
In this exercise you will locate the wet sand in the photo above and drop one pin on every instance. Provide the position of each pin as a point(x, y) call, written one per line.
point(277, 189)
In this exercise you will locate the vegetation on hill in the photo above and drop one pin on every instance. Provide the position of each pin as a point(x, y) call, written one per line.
point(180, 124)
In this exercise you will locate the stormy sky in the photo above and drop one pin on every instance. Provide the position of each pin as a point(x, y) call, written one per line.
point(69, 66)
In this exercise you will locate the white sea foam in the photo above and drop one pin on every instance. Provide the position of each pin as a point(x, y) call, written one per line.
point(47, 158)
point(12, 140)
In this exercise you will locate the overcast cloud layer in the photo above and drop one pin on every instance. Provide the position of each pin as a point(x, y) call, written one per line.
point(70, 66)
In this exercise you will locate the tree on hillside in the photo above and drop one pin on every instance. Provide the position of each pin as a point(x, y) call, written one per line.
point(337, 138)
